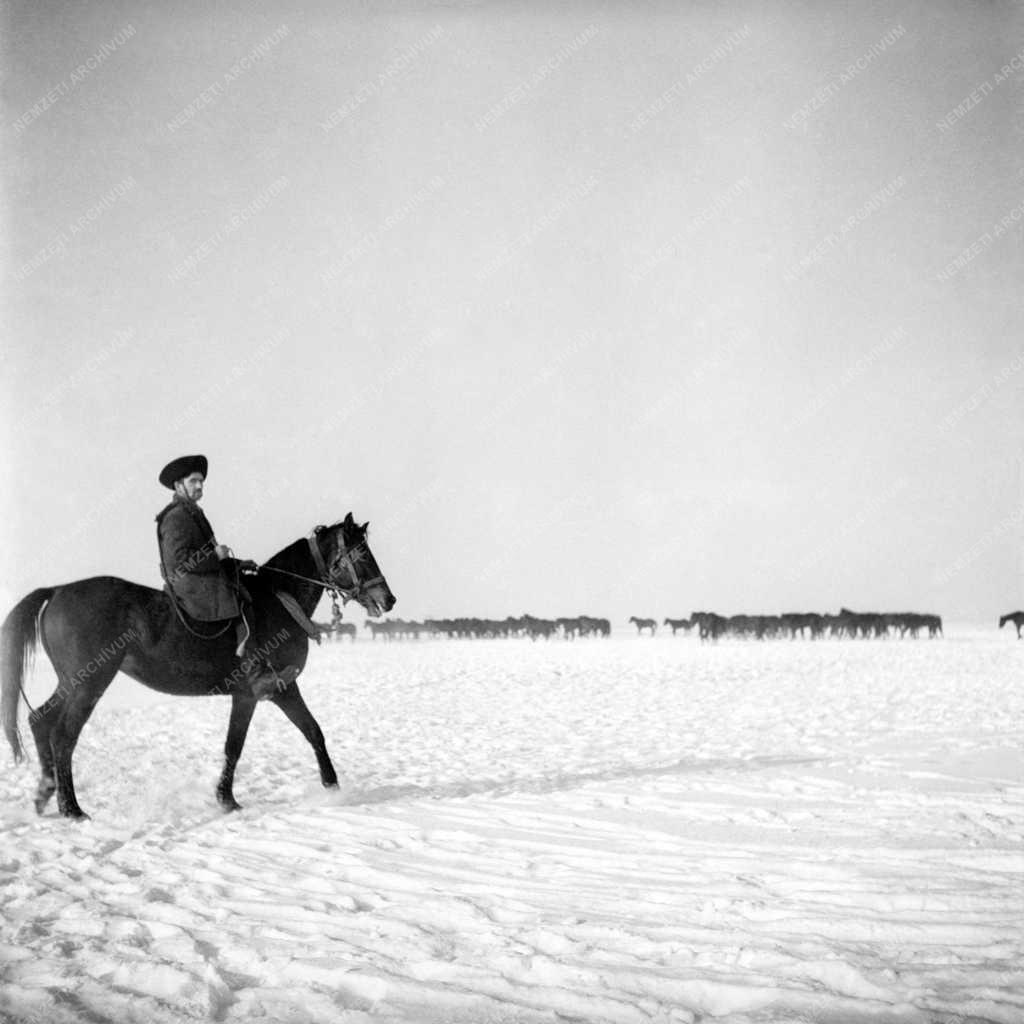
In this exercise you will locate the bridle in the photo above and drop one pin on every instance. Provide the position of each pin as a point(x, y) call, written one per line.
point(328, 577)
point(345, 558)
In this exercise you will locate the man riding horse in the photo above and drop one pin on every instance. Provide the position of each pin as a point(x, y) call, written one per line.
point(92, 629)
point(200, 575)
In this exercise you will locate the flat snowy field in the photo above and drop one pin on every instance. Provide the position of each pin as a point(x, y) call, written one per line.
point(624, 831)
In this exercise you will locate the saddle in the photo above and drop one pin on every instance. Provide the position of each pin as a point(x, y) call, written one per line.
point(213, 629)
point(264, 680)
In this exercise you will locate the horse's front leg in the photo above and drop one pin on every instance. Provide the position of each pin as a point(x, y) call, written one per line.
point(242, 707)
point(292, 704)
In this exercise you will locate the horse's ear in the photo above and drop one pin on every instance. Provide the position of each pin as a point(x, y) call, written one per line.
point(348, 520)
point(365, 525)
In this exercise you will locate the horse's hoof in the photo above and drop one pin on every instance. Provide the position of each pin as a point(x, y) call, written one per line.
point(230, 805)
point(77, 815)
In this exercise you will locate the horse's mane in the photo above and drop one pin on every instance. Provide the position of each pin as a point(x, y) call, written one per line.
point(288, 555)
point(297, 549)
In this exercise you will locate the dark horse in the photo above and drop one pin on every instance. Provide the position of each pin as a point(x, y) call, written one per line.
point(684, 624)
point(92, 628)
point(1017, 618)
point(642, 624)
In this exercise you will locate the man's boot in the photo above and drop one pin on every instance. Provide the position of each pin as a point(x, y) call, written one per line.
point(258, 678)
point(263, 680)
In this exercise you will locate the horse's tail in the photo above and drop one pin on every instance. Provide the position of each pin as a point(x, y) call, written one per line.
point(18, 637)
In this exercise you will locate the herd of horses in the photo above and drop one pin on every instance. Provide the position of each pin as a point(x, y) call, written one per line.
point(849, 624)
point(485, 629)
point(805, 625)
point(709, 626)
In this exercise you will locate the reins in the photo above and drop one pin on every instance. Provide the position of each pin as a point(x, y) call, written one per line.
point(327, 580)
point(297, 576)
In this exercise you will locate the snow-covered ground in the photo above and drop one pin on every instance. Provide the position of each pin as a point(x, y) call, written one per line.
point(621, 831)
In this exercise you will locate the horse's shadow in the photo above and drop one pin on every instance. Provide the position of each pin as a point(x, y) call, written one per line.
point(555, 782)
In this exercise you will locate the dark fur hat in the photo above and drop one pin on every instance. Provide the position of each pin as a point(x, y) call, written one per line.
point(182, 467)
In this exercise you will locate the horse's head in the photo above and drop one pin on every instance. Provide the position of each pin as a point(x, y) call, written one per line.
point(349, 565)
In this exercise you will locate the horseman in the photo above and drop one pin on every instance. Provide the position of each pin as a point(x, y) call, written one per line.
point(201, 575)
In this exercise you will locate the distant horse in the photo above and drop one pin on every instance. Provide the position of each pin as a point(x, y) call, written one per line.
point(587, 625)
point(535, 628)
point(1017, 618)
point(335, 630)
point(570, 628)
point(345, 629)
point(385, 629)
point(642, 624)
point(711, 626)
point(92, 628)
point(684, 624)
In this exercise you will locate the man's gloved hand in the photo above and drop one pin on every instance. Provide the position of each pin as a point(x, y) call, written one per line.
point(248, 565)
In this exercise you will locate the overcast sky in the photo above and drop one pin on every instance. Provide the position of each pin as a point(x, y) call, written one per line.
point(587, 308)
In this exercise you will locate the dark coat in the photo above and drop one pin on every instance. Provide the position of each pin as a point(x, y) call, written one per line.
point(190, 565)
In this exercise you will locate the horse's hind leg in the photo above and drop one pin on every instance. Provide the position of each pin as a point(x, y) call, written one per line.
point(42, 721)
point(292, 704)
point(71, 718)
